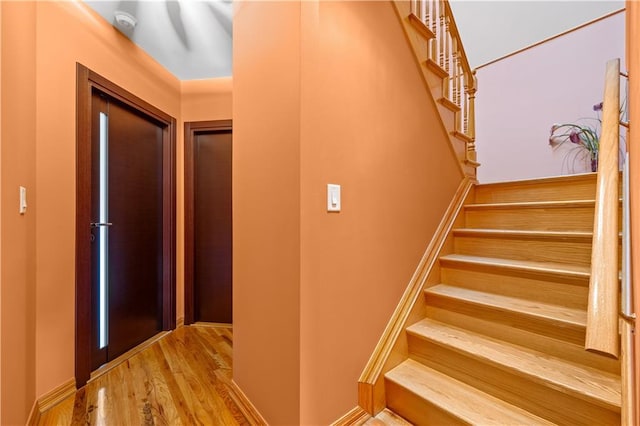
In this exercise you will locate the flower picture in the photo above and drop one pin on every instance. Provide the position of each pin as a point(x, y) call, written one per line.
point(585, 140)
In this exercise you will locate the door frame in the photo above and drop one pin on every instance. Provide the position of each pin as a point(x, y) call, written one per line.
point(190, 130)
point(86, 82)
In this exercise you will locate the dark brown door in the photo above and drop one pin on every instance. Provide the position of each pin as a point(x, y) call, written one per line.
point(127, 227)
point(210, 238)
point(125, 221)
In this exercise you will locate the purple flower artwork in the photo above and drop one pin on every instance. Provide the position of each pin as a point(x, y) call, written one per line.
point(585, 137)
point(574, 137)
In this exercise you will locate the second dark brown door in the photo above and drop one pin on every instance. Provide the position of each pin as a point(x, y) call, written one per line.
point(212, 226)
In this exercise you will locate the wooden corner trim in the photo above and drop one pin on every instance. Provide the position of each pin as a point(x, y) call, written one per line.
point(50, 399)
point(356, 416)
point(627, 357)
point(374, 369)
point(248, 409)
point(34, 415)
point(365, 397)
point(57, 395)
point(105, 368)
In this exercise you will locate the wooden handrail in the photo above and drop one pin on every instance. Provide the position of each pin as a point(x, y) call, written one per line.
point(603, 308)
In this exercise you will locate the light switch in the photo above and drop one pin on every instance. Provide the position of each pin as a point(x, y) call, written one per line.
point(333, 197)
point(23, 200)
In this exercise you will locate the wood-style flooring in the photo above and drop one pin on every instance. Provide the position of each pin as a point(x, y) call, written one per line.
point(182, 379)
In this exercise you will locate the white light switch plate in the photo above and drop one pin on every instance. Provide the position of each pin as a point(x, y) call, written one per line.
point(333, 198)
point(23, 200)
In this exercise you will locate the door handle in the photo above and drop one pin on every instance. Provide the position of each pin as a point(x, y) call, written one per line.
point(96, 224)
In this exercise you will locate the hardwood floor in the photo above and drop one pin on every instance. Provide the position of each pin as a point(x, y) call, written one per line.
point(182, 379)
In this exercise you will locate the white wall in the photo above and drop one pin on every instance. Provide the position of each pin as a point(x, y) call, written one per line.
point(520, 97)
point(492, 29)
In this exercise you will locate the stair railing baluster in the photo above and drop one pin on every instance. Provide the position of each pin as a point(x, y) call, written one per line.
point(433, 43)
point(441, 36)
point(445, 50)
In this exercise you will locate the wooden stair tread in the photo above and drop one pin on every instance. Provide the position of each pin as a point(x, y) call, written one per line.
point(555, 313)
point(578, 271)
point(587, 383)
point(524, 234)
point(421, 27)
point(436, 68)
point(531, 205)
point(386, 417)
point(459, 399)
point(458, 134)
point(449, 104)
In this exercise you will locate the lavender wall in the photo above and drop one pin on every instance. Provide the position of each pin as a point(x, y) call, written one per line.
point(521, 96)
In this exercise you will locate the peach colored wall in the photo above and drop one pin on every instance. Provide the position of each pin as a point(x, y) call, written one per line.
point(207, 99)
point(369, 124)
point(41, 43)
point(282, 233)
point(18, 231)
point(67, 32)
point(366, 122)
point(522, 96)
point(633, 60)
point(266, 207)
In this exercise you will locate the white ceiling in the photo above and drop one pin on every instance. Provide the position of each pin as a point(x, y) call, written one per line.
point(193, 38)
point(190, 38)
point(492, 29)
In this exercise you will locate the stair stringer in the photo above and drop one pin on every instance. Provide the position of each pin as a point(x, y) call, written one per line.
point(392, 348)
point(434, 77)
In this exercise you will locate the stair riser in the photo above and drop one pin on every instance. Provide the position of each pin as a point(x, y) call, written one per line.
point(459, 146)
point(538, 250)
point(559, 293)
point(554, 347)
point(542, 400)
point(415, 409)
point(534, 219)
point(544, 326)
point(541, 274)
point(577, 187)
point(434, 81)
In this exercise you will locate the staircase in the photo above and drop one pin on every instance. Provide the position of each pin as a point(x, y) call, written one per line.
point(501, 339)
